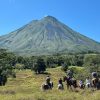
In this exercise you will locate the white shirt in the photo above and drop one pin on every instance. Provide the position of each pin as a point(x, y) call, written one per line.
point(88, 81)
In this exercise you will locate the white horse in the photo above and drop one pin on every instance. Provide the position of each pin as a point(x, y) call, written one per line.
point(60, 87)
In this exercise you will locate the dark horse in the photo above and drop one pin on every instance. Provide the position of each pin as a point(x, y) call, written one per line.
point(70, 82)
point(45, 86)
point(96, 83)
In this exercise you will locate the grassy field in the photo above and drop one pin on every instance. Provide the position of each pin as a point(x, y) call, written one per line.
point(27, 87)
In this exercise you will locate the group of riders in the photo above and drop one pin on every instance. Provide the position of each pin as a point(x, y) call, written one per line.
point(71, 82)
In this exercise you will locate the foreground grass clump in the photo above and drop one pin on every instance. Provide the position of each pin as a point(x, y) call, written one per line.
point(27, 87)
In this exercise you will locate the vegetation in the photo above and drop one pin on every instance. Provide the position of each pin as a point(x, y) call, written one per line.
point(92, 62)
point(26, 86)
point(39, 66)
point(7, 61)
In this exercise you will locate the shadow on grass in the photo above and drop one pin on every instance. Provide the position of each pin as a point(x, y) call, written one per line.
point(44, 73)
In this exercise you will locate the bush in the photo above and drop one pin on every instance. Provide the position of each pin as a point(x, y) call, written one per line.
point(39, 66)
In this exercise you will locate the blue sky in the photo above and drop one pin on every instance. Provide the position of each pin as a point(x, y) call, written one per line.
point(81, 15)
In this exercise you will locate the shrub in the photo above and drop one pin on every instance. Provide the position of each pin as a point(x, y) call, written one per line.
point(39, 66)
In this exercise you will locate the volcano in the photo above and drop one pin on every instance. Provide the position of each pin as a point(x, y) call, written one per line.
point(47, 36)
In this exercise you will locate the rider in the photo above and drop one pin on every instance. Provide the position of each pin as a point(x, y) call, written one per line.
point(48, 81)
point(88, 82)
point(81, 84)
point(94, 75)
point(95, 80)
point(70, 73)
point(60, 82)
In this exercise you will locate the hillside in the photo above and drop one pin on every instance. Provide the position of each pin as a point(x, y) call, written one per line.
point(27, 87)
point(47, 36)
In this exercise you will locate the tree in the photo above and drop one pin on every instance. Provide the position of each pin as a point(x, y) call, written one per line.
point(79, 59)
point(64, 67)
point(19, 66)
point(60, 61)
point(5, 71)
point(51, 62)
point(6, 63)
point(39, 66)
point(20, 59)
point(28, 62)
point(92, 63)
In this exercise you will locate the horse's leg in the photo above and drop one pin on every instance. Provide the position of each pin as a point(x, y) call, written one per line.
point(68, 86)
point(62, 87)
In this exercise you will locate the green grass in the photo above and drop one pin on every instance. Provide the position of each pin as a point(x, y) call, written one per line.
point(27, 87)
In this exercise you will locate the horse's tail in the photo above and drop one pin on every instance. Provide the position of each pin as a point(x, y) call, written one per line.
point(52, 84)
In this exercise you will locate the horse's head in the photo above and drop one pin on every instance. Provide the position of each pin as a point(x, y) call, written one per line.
point(64, 78)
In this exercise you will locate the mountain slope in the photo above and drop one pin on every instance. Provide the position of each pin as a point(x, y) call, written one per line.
point(47, 36)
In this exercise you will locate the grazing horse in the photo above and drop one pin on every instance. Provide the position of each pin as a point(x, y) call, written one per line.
point(70, 82)
point(45, 86)
point(96, 83)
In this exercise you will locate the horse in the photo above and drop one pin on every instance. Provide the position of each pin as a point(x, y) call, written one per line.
point(70, 82)
point(60, 87)
point(45, 86)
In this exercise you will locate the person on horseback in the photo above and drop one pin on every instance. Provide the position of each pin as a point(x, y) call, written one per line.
point(48, 84)
point(60, 84)
point(95, 80)
point(88, 82)
point(81, 84)
point(48, 81)
point(69, 73)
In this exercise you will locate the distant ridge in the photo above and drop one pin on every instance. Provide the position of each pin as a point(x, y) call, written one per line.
point(45, 37)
